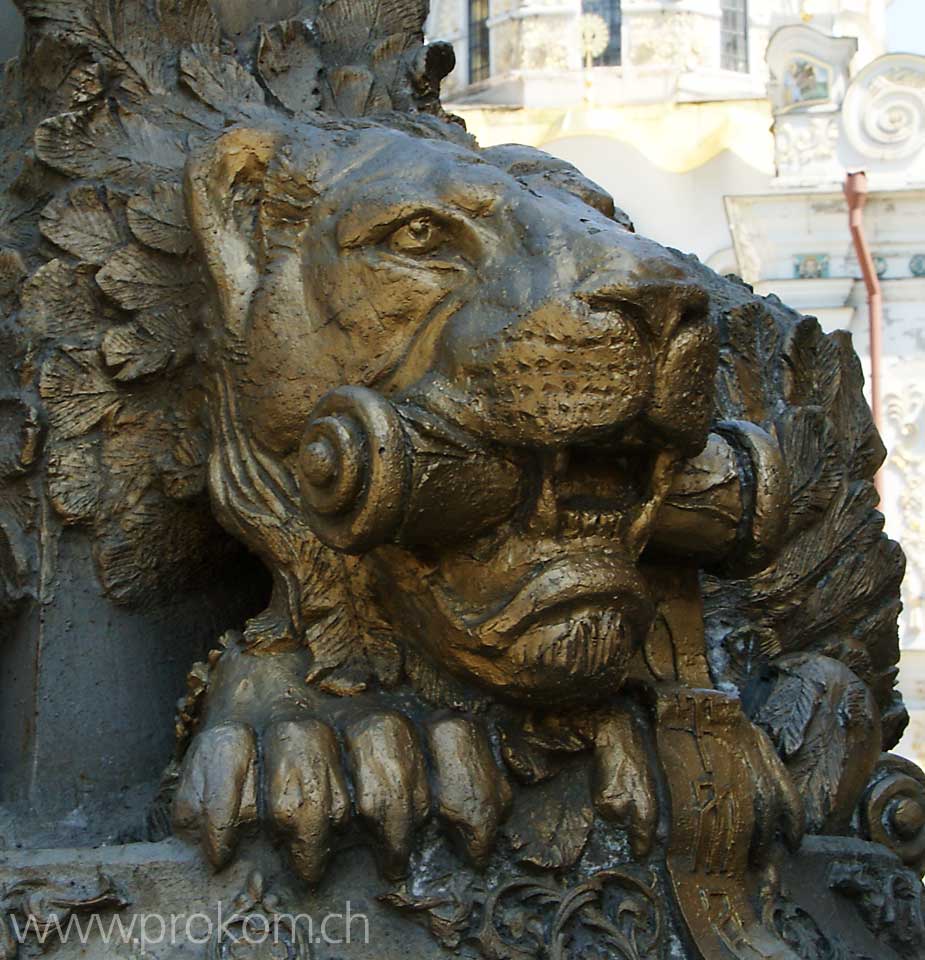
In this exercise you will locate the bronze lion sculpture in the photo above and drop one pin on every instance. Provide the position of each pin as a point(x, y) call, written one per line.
point(577, 576)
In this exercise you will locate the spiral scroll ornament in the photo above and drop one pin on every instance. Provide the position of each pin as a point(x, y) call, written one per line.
point(893, 810)
point(884, 108)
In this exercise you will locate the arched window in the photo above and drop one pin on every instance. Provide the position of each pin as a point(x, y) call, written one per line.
point(479, 64)
point(734, 35)
point(609, 10)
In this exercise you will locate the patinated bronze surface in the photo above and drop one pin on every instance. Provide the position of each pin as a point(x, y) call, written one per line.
point(582, 616)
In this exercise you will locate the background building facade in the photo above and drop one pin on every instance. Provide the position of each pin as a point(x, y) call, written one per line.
point(672, 116)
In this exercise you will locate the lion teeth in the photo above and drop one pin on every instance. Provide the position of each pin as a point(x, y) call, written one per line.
point(577, 523)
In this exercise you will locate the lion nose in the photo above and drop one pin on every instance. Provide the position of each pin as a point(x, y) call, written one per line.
point(660, 307)
point(673, 319)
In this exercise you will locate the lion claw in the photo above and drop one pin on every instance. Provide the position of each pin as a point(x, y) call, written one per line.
point(624, 788)
point(307, 796)
point(473, 795)
point(305, 793)
point(217, 793)
point(392, 795)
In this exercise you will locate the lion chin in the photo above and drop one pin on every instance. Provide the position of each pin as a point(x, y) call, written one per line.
point(578, 652)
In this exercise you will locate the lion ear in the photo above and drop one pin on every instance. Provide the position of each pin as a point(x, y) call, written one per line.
point(536, 167)
point(224, 185)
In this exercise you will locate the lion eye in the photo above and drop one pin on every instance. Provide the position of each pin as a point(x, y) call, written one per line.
point(421, 235)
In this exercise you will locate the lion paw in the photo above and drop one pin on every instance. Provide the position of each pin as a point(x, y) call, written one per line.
point(306, 791)
point(305, 794)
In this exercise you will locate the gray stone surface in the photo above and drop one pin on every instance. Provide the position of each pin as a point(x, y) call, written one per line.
point(89, 695)
point(170, 880)
point(10, 30)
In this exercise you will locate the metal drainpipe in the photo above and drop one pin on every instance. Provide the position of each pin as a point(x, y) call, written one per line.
point(856, 192)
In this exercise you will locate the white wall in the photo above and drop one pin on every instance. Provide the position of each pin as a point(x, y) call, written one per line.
point(680, 210)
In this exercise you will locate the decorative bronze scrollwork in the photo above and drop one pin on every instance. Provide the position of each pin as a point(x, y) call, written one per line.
point(893, 810)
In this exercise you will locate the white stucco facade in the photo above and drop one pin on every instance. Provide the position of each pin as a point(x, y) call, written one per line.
point(670, 48)
point(848, 114)
point(670, 122)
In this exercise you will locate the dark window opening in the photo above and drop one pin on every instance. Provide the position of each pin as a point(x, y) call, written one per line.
point(479, 64)
point(734, 35)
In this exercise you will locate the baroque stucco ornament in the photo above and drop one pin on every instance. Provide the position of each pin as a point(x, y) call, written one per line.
point(582, 615)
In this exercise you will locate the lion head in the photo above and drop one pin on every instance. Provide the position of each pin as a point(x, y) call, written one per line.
point(243, 237)
point(496, 304)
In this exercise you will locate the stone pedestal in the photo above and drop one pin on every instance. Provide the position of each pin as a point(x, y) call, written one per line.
point(169, 883)
point(90, 690)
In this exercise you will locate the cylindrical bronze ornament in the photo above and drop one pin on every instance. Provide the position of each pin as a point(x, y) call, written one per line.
point(373, 471)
